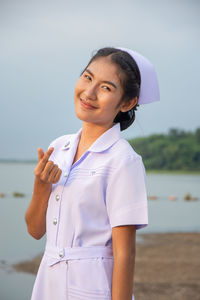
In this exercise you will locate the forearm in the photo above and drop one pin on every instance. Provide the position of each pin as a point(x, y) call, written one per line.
point(46, 174)
point(123, 275)
point(36, 213)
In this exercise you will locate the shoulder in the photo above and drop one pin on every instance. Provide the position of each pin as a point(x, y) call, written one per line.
point(124, 152)
point(127, 166)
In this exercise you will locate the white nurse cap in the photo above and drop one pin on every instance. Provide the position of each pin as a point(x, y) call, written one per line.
point(149, 89)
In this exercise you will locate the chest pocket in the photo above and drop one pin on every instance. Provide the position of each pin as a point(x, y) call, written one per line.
point(87, 174)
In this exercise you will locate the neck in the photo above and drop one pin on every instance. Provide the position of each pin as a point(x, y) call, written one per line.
point(91, 132)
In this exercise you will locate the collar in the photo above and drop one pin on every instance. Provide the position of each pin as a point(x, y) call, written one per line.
point(102, 143)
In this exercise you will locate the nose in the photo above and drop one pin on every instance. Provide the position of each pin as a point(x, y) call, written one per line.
point(90, 92)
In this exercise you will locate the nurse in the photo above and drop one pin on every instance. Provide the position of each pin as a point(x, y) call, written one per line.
point(89, 193)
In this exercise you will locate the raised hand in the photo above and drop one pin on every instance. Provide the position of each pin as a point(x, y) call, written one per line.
point(45, 170)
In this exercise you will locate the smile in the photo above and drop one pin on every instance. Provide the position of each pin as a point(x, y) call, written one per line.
point(86, 105)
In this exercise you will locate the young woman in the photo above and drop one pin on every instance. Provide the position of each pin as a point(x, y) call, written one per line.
point(89, 191)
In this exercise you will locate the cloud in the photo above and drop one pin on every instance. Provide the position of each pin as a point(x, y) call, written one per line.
point(45, 27)
point(45, 45)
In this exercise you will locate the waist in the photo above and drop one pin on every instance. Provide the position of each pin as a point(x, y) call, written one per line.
point(57, 254)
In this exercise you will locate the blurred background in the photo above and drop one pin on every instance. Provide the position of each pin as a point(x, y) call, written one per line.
point(44, 45)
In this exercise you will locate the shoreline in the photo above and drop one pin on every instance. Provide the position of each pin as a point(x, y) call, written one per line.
point(166, 264)
point(173, 172)
point(148, 171)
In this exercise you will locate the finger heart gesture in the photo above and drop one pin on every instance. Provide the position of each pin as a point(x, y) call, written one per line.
point(46, 170)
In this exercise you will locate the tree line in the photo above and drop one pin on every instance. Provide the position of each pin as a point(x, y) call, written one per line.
point(176, 150)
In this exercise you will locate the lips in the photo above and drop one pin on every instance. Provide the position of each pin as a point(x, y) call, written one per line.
point(86, 104)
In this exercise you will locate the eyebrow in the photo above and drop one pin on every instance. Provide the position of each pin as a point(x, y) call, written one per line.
point(105, 81)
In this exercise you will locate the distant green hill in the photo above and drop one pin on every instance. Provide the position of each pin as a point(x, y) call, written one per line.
point(177, 150)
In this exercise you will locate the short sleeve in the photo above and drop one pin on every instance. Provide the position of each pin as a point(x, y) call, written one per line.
point(126, 197)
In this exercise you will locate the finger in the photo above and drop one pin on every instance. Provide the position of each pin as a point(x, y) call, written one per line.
point(57, 176)
point(40, 153)
point(49, 152)
point(49, 167)
point(44, 159)
point(53, 173)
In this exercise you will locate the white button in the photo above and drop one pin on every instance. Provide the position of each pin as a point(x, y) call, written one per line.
point(61, 254)
point(55, 221)
point(57, 197)
point(66, 174)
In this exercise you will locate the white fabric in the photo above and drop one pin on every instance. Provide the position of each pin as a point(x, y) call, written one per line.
point(103, 189)
point(149, 88)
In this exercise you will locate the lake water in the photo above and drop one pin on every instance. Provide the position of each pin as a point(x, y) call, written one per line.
point(16, 244)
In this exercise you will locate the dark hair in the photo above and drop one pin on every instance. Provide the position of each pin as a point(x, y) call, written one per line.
point(130, 82)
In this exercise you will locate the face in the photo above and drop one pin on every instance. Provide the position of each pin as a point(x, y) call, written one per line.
point(98, 92)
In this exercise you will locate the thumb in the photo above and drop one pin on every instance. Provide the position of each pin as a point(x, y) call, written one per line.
point(40, 153)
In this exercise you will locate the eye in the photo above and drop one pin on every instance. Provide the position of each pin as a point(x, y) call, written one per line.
point(87, 76)
point(106, 88)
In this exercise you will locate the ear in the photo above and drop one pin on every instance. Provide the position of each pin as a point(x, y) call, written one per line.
point(127, 105)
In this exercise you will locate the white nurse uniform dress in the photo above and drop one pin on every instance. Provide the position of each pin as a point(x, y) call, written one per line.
point(103, 189)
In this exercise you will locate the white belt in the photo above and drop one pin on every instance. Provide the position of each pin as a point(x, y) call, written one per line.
point(57, 254)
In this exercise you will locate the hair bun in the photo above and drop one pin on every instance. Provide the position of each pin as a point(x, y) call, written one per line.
point(126, 118)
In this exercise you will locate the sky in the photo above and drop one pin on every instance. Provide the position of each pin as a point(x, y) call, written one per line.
point(44, 45)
